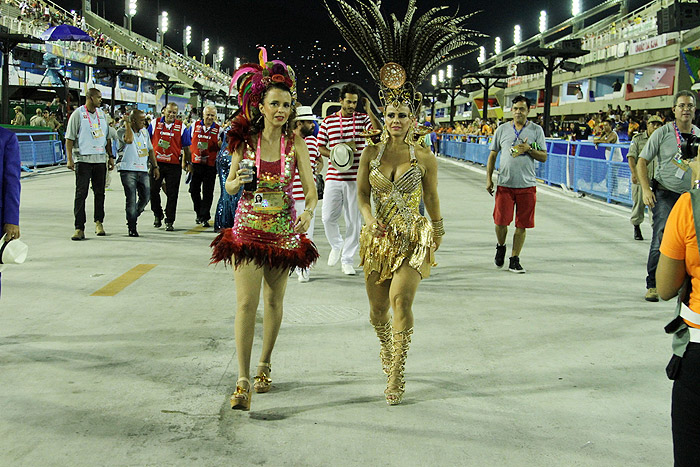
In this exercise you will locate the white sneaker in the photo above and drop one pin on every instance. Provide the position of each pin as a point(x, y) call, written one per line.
point(303, 275)
point(334, 257)
point(348, 269)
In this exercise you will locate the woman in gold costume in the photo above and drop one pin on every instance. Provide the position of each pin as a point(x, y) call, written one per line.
point(397, 243)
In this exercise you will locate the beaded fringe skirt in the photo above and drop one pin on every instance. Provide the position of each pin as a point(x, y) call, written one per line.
point(386, 254)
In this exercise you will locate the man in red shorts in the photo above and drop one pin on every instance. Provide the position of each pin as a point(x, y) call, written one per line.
point(520, 143)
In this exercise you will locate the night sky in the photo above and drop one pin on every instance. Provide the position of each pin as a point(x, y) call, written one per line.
point(305, 36)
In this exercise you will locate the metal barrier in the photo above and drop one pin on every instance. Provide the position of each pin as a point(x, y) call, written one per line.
point(581, 166)
point(39, 149)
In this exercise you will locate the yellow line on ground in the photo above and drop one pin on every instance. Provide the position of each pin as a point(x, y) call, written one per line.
point(196, 230)
point(123, 281)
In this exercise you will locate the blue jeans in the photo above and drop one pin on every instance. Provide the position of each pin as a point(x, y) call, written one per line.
point(135, 183)
point(665, 200)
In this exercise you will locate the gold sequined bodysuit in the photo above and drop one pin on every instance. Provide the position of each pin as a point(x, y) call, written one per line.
point(409, 236)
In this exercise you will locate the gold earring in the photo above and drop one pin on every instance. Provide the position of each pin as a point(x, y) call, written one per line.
point(409, 139)
point(384, 136)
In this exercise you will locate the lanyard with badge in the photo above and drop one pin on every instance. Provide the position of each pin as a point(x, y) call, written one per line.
point(350, 143)
point(513, 150)
point(141, 147)
point(95, 128)
point(269, 201)
point(678, 159)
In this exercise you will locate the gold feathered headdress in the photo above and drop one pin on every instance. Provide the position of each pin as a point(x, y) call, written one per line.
point(400, 54)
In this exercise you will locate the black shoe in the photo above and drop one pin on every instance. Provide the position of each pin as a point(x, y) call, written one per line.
point(198, 220)
point(133, 232)
point(206, 224)
point(515, 265)
point(500, 256)
point(169, 226)
point(638, 233)
point(158, 222)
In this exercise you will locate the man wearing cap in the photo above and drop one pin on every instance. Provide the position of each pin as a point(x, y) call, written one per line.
point(636, 146)
point(87, 148)
point(304, 127)
point(10, 169)
point(340, 193)
point(205, 136)
point(169, 141)
point(672, 176)
point(20, 119)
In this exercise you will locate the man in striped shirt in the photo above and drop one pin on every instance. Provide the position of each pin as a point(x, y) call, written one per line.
point(304, 128)
point(340, 193)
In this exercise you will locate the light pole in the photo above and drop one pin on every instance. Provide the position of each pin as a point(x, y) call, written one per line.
point(444, 82)
point(187, 39)
point(517, 34)
point(219, 57)
point(542, 26)
point(129, 12)
point(162, 27)
point(497, 45)
point(205, 50)
point(575, 11)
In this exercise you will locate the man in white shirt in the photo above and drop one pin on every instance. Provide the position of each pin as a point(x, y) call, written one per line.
point(87, 147)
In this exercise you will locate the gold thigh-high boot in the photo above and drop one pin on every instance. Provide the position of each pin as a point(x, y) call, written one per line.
point(395, 382)
point(385, 350)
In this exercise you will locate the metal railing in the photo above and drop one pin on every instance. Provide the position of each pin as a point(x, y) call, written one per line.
point(40, 149)
point(581, 166)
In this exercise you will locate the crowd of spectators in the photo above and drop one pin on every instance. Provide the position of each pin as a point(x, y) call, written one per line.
point(43, 14)
point(625, 122)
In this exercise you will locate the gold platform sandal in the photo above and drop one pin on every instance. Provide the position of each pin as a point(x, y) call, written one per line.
point(263, 382)
point(240, 399)
point(395, 385)
point(386, 343)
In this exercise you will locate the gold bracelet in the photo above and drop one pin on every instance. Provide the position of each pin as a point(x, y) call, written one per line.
point(310, 212)
point(438, 228)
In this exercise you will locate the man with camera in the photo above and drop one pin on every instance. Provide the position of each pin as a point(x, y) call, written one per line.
point(671, 145)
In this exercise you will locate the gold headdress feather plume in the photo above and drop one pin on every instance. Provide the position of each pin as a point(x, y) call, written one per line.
point(400, 54)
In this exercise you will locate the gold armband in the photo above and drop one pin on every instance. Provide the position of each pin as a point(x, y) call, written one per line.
point(438, 228)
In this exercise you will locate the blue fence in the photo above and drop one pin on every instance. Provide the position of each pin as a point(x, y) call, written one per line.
point(39, 149)
point(581, 166)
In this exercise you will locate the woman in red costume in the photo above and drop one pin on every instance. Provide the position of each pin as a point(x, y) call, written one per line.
point(267, 240)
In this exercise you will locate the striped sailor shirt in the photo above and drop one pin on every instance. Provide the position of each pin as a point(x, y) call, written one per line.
point(334, 130)
point(297, 189)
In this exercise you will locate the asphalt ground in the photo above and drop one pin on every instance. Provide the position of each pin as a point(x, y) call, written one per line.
point(561, 366)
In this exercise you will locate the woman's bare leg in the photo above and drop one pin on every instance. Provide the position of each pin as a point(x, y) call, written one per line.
point(248, 278)
point(274, 287)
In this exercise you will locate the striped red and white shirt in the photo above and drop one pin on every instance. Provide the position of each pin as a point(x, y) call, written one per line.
point(297, 189)
point(334, 130)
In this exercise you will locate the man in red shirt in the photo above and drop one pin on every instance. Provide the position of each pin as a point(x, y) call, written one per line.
point(205, 144)
point(169, 141)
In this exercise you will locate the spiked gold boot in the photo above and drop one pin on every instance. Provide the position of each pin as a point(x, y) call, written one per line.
point(385, 340)
point(395, 385)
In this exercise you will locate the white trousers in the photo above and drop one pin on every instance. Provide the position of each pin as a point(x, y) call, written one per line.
point(342, 197)
point(299, 207)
